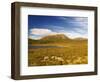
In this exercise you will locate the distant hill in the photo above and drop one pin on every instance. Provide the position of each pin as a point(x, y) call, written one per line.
point(54, 39)
point(79, 38)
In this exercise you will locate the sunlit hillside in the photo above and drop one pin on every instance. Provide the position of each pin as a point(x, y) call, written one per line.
point(57, 50)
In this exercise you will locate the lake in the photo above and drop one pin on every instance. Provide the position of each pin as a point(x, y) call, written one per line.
point(35, 47)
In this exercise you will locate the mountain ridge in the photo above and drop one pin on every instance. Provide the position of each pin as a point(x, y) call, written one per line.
point(56, 36)
point(59, 36)
point(55, 39)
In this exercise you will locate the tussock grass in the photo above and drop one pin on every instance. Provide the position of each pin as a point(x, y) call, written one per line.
point(72, 52)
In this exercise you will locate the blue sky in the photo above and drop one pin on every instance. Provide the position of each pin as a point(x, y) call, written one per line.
point(73, 27)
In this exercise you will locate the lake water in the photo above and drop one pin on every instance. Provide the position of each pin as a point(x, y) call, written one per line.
point(35, 47)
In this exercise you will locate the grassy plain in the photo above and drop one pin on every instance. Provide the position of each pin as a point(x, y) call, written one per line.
point(68, 52)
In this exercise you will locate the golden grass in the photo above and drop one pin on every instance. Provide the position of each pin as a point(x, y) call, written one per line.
point(70, 53)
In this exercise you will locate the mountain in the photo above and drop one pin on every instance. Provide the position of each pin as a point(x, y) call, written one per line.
point(56, 37)
point(50, 39)
point(79, 38)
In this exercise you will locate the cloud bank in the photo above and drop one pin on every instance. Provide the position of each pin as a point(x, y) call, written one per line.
point(36, 33)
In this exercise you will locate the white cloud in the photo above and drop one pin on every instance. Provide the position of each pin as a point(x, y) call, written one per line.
point(81, 19)
point(82, 22)
point(75, 35)
point(36, 33)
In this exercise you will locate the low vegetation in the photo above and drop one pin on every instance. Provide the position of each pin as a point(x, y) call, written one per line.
point(69, 51)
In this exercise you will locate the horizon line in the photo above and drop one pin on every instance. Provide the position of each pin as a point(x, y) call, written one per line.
point(58, 34)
